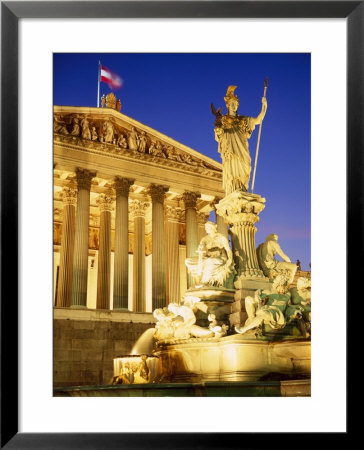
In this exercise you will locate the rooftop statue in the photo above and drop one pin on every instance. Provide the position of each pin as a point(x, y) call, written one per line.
point(111, 100)
point(270, 266)
point(232, 133)
point(214, 262)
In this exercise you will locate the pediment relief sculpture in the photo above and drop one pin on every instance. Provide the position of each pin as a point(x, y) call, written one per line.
point(93, 132)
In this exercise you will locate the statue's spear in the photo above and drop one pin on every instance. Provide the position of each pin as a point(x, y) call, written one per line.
point(258, 142)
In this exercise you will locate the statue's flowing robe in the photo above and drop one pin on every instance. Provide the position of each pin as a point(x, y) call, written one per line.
point(234, 149)
point(212, 268)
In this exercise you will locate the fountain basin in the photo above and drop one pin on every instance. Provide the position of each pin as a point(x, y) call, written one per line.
point(135, 369)
point(232, 358)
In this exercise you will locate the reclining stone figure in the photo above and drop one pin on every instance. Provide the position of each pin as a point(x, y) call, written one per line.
point(272, 308)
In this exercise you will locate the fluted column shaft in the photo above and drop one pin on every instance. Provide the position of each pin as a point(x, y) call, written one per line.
point(242, 210)
point(173, 216)
point(159, 293)
point(139, 285)
point(190, 199)
point(222, 226)
point(80, 255)
point(201, 221)
point(121, 260)
point(104, 261)
point(69, 196)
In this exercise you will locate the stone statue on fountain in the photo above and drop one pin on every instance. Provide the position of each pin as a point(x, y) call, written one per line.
point(239, 208)
point(270, 266)
point(214, 262)
point(178, 321)
point(277, 308)
point(232, 132)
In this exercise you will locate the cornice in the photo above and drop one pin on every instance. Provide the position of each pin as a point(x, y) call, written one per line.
point(102, 149)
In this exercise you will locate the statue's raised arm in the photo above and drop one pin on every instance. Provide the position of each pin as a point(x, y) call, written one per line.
point(262, 113)
point(232, 133)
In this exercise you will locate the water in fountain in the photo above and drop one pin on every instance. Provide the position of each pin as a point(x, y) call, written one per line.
point(144, 345)
point(140, 366)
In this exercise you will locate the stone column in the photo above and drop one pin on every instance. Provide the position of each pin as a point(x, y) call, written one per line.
point(190, 200)
point(173, 216)
point(105, 202)
point(69, 195)
point(241, 210)
point(121, 260)
point(80, 254)
point(222, 227)
point(138, 209)
point(159, 298)
point(201, 221)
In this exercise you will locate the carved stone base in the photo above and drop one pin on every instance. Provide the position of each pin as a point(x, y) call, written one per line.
point(248, 287)
point(213, 300)
point(237, 317)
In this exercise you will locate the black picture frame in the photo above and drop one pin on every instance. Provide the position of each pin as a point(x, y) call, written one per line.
point(11, 12)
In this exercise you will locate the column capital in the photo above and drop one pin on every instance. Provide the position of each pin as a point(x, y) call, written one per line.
point(157, 192)
point(190, 199)
point(173, 214)
point(202, 217)
point(122, 186)
point(138, 208)
point(69, 195)
point(83, 178)
point(214, 202)
point(105, 202)
point(240, 208)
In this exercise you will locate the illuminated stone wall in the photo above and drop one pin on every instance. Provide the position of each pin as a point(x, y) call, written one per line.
point(84, 345)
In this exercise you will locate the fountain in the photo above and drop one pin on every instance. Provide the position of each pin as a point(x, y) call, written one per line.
point(256, 332)
point(179, 350)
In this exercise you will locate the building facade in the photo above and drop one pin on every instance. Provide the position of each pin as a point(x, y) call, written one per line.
point(130, 205)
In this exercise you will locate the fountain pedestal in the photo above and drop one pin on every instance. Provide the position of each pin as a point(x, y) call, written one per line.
point(241, 211)
point(213, 300)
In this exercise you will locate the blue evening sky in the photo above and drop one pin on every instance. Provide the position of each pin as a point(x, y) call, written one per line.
point(172, 94)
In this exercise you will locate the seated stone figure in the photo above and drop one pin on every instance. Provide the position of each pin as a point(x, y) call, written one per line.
point(270, 266)
point(271, 308)
point(215, 259)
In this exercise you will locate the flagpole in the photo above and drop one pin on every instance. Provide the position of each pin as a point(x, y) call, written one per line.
point(258, 141)
point(98, 85)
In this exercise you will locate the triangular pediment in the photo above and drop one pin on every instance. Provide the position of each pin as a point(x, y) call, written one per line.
point(109, 131)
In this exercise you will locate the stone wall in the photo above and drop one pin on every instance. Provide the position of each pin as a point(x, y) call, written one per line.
point(85, 343)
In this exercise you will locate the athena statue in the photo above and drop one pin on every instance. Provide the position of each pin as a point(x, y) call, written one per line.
point(232, 133)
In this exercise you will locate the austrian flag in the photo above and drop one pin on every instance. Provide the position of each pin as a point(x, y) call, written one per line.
point(111, 78)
